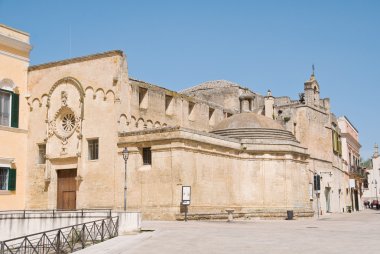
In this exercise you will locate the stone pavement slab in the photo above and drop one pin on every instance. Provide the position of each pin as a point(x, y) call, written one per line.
point(335, 233)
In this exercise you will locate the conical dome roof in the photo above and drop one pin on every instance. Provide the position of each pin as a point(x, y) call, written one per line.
point(252, 126)
point(248, 120)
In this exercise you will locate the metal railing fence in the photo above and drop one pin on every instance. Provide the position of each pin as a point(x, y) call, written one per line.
point(63, 240)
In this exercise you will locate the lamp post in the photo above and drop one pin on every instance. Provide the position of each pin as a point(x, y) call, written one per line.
point(125, 157)
point(375, 182)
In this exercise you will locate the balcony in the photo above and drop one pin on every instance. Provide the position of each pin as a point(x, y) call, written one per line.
point(358, 172)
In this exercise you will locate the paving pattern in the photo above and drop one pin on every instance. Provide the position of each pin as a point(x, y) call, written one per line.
point(336, 233)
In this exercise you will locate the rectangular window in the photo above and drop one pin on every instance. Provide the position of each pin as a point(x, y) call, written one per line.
point(190, 111)
point(5, 108)
point(143, 97)
point(147, 156)
point(349, 157)
point(336, 143)
point(4, 178)
point(9, 107)
point(339, 146)
point(365, 184)
point(42, 154)
point(211, 116)
point(210, 113)
point(7, 179)
point(168, 104)
point(93, 149)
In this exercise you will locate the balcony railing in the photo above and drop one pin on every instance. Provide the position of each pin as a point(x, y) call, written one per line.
point(63, 240)
point(357, 171)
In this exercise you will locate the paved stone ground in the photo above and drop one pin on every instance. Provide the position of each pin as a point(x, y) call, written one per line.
point(336, 233)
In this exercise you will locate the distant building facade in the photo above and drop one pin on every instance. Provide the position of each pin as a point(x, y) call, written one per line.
point(14, 62)
point(351, 164)
point(371, 190)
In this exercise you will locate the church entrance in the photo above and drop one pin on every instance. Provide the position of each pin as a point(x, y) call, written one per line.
point(66, 189)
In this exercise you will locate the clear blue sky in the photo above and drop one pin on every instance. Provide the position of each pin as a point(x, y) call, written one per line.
point(258, 44)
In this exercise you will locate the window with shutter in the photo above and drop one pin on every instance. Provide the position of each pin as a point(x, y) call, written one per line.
point(5, 107)
point(9, 108)
point(339, 146)
point(15, 109)
point(12, 179)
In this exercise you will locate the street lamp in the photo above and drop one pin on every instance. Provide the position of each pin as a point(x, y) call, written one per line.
point(375, 182)
point(125, 157)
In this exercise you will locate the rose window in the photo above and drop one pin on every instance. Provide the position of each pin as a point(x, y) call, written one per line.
point(68, 122)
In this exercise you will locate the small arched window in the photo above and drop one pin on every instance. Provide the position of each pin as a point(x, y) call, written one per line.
point(9, 104)
point(315, 90)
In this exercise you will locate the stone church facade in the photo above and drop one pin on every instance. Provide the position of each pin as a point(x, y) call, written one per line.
point(236, 149)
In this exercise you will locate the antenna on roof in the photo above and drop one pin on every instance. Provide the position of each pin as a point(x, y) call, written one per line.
point(313, 68)
point(69, 40)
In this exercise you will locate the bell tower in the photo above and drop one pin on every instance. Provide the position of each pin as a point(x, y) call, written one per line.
point(311, 89)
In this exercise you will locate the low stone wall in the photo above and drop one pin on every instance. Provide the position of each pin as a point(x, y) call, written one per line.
point(271, 215)
point(19, 224)
point(128, 222)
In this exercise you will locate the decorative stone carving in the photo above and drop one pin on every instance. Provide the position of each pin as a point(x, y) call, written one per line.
point(79, 180)
point(51, 129)
point(64, 124)
point(64, 146)
point(64, 98)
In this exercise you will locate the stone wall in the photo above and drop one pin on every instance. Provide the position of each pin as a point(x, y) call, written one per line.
point(220, 173)
point(94, 100)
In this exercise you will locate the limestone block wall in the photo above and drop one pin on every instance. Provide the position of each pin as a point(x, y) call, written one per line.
point(224, 93)
point(155, 111)
point(220, 177)
point(36, 195)
point(314, 133)
point(100, 122)
point(93, 87)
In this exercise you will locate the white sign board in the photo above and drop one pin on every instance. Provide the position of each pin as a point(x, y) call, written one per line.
point(352, 183)
point(186, 195)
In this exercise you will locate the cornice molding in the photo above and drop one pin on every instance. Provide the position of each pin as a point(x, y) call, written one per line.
point(15, 44)
point(25, 59)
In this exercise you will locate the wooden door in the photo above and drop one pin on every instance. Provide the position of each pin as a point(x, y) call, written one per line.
point(66, 189)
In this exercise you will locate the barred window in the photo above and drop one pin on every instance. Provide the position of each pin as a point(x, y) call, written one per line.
point(147, 156)
point(42, 154)
point(93, 149)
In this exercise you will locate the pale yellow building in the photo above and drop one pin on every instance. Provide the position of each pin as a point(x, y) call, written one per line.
point(14, 111)
point(355, 175)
